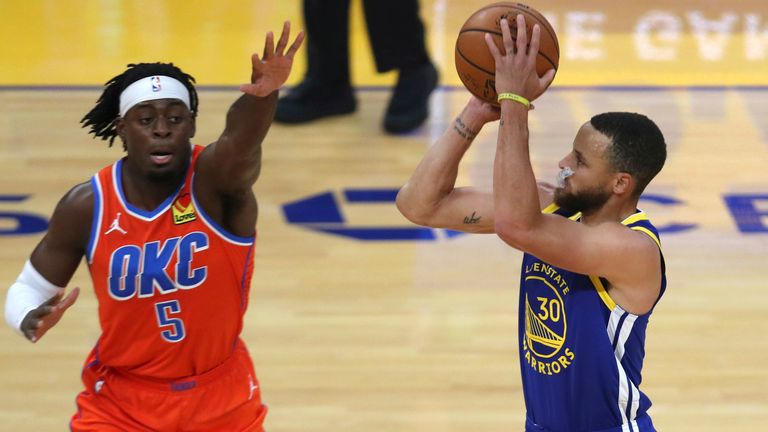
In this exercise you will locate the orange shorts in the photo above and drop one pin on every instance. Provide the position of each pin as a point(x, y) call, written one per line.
point(226, 398)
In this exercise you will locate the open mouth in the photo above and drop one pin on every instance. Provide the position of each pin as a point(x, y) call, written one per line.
point(160, 158)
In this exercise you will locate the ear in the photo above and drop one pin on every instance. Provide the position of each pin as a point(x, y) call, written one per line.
point(623, 183)
point(194, 126)
point(120, 128)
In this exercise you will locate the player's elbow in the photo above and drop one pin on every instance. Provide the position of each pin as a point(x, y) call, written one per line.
point(514, 235)
point(409, 206)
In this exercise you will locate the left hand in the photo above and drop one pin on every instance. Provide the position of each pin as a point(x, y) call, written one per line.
point(516, 68)
point(269, 72)
point(39, 320)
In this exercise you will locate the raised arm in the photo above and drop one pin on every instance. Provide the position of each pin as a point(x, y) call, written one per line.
point(430, 197)
point(628, 259)
point(233, 163)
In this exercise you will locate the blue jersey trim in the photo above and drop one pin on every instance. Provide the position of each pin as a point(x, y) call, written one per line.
point(243, 241)
point(142, 214)
point(243, 288)
point(95, 219)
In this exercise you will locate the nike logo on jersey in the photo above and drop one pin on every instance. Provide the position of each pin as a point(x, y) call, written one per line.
point(144, 270)
point(116, 226)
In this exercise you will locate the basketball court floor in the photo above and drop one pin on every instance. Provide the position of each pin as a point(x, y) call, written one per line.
point(361, 321)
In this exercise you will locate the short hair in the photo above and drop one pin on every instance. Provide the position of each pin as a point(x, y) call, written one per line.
point(102, 118)
point(638, 146)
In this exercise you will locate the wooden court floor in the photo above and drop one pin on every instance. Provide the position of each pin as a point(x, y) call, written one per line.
point(413, 336)
point(358, 335)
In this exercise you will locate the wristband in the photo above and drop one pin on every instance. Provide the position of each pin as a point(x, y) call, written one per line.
point(29, 291)
point(514, 97)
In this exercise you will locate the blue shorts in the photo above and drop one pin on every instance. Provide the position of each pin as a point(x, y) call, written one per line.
point(640, 424)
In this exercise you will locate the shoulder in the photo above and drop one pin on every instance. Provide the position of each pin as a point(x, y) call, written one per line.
point(78, 201)
point(74, 211)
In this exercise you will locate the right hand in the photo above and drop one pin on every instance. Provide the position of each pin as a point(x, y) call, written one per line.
point(516, 66)
point(270, 72)
point(38, 321)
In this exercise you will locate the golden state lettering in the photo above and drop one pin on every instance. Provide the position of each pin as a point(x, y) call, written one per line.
point(550, 367)
point(546, 323)
point(548, 270)
point(183, 210)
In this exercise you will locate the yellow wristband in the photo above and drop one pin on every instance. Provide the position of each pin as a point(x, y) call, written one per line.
point(514, 97)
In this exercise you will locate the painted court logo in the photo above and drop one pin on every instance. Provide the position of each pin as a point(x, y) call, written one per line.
point(183, 210)
point(546, 324)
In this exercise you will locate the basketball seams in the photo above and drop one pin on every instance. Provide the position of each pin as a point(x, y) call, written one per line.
point(541, 20)
point(470, 46)
point(463, 57)
point(470, 30)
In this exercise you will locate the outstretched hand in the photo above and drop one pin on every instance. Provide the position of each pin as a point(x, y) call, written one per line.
point(270, 71)
point(516, 67)
point(38, 321)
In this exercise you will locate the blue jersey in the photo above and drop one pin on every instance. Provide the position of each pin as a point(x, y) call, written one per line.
point(581, 354)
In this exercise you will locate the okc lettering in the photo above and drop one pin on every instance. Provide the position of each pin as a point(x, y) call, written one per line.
point(144, 270)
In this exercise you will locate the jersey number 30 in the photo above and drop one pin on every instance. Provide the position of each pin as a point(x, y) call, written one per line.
point(173, 327)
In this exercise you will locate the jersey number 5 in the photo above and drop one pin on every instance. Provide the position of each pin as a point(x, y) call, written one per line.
point(174, 326)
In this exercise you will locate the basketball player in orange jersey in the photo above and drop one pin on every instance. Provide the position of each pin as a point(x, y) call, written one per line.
point(592, 266)
point(168, 232)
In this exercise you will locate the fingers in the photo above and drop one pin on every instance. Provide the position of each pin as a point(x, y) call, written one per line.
point(283, 41)
point(522, 34)
point(269, 46)
point(533, 49)
point(296, 44)
point(69, 300)
point(547, 79)
point(47, 315)
point(492, 46)
point(506, 37)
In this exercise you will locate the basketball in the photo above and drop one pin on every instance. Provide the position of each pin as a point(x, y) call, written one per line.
point(474, 62)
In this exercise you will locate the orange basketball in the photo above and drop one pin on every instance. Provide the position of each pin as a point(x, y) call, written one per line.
point(474, 61)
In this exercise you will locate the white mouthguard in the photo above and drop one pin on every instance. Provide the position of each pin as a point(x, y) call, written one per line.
point(562, 175)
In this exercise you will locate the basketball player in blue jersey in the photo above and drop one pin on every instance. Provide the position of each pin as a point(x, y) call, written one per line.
point(592, 270)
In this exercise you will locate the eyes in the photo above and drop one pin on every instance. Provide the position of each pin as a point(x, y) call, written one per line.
point(579, 160)
point(146, 120)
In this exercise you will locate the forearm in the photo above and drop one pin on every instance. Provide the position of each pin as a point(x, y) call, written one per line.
point(238, 150)
point(435, 176)
point(248, 121)
point(516, 198)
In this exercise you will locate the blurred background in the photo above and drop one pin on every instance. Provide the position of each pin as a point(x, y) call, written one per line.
point(364, 322)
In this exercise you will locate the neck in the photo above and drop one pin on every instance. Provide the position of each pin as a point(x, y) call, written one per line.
point(145, 191)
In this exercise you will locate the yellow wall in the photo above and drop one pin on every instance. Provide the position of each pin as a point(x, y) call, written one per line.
point(602, 42)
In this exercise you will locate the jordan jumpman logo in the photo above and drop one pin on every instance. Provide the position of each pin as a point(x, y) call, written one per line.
point(116, 226)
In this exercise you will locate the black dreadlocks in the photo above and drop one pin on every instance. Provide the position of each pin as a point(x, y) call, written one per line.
point(102, 118)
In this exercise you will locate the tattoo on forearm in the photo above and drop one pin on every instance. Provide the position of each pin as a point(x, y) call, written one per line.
point(472, 219)
point(463, 130)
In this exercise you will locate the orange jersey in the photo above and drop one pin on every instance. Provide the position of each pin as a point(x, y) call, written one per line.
point(172, 284)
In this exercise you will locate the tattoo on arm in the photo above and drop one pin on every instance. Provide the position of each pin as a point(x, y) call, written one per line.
point(463, 130)
point(473, 219)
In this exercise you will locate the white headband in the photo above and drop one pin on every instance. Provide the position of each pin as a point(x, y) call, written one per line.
point(151, 88)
